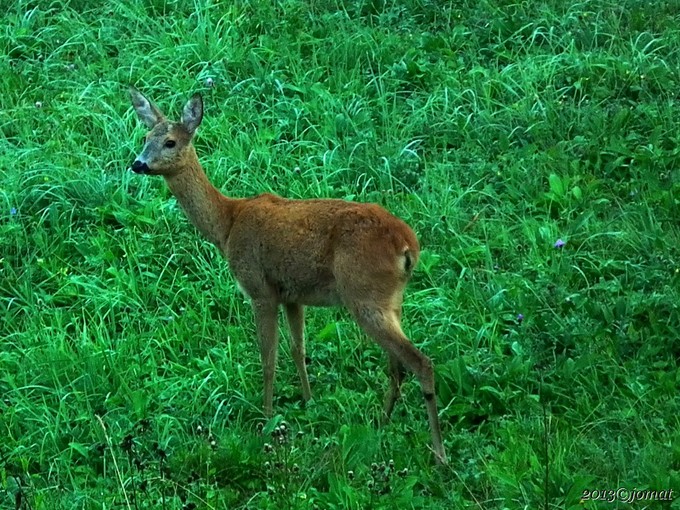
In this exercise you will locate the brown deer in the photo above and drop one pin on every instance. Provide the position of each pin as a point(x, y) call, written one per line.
point(297, 253)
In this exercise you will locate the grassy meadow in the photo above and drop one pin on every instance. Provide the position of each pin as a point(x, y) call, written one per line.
point(532, 146)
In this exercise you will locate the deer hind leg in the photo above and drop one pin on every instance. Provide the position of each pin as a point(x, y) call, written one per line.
point(395, 372)
point(382, 324)
point(296, 321)
point(267, 334)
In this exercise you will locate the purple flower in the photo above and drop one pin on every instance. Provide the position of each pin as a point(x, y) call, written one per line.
point(559, 244)
point(520, 318)
point(13, 211)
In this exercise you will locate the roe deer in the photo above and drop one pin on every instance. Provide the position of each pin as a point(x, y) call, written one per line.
point(297, 253)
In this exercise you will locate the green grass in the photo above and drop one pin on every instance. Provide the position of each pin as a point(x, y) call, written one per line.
point(129, 375)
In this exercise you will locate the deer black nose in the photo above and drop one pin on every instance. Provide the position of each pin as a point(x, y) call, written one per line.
point(140, 168)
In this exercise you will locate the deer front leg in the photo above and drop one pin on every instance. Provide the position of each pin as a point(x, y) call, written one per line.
point(296, 321)
point(267, 335)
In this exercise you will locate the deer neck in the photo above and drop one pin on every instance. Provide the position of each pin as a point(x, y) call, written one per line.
point(208, 210)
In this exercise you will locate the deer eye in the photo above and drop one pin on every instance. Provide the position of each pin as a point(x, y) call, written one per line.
point(170, 144)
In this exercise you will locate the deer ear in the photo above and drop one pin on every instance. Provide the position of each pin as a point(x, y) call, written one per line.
point(193, 113)
point(146, 110)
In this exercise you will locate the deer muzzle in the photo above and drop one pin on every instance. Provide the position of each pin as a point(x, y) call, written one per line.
point(139, 167)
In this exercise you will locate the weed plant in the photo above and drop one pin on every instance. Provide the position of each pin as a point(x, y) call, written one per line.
point(533, 146)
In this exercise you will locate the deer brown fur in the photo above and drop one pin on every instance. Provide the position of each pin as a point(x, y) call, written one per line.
point(297, 253)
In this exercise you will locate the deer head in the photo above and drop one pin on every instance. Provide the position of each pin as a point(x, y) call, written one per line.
point(168, 144)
